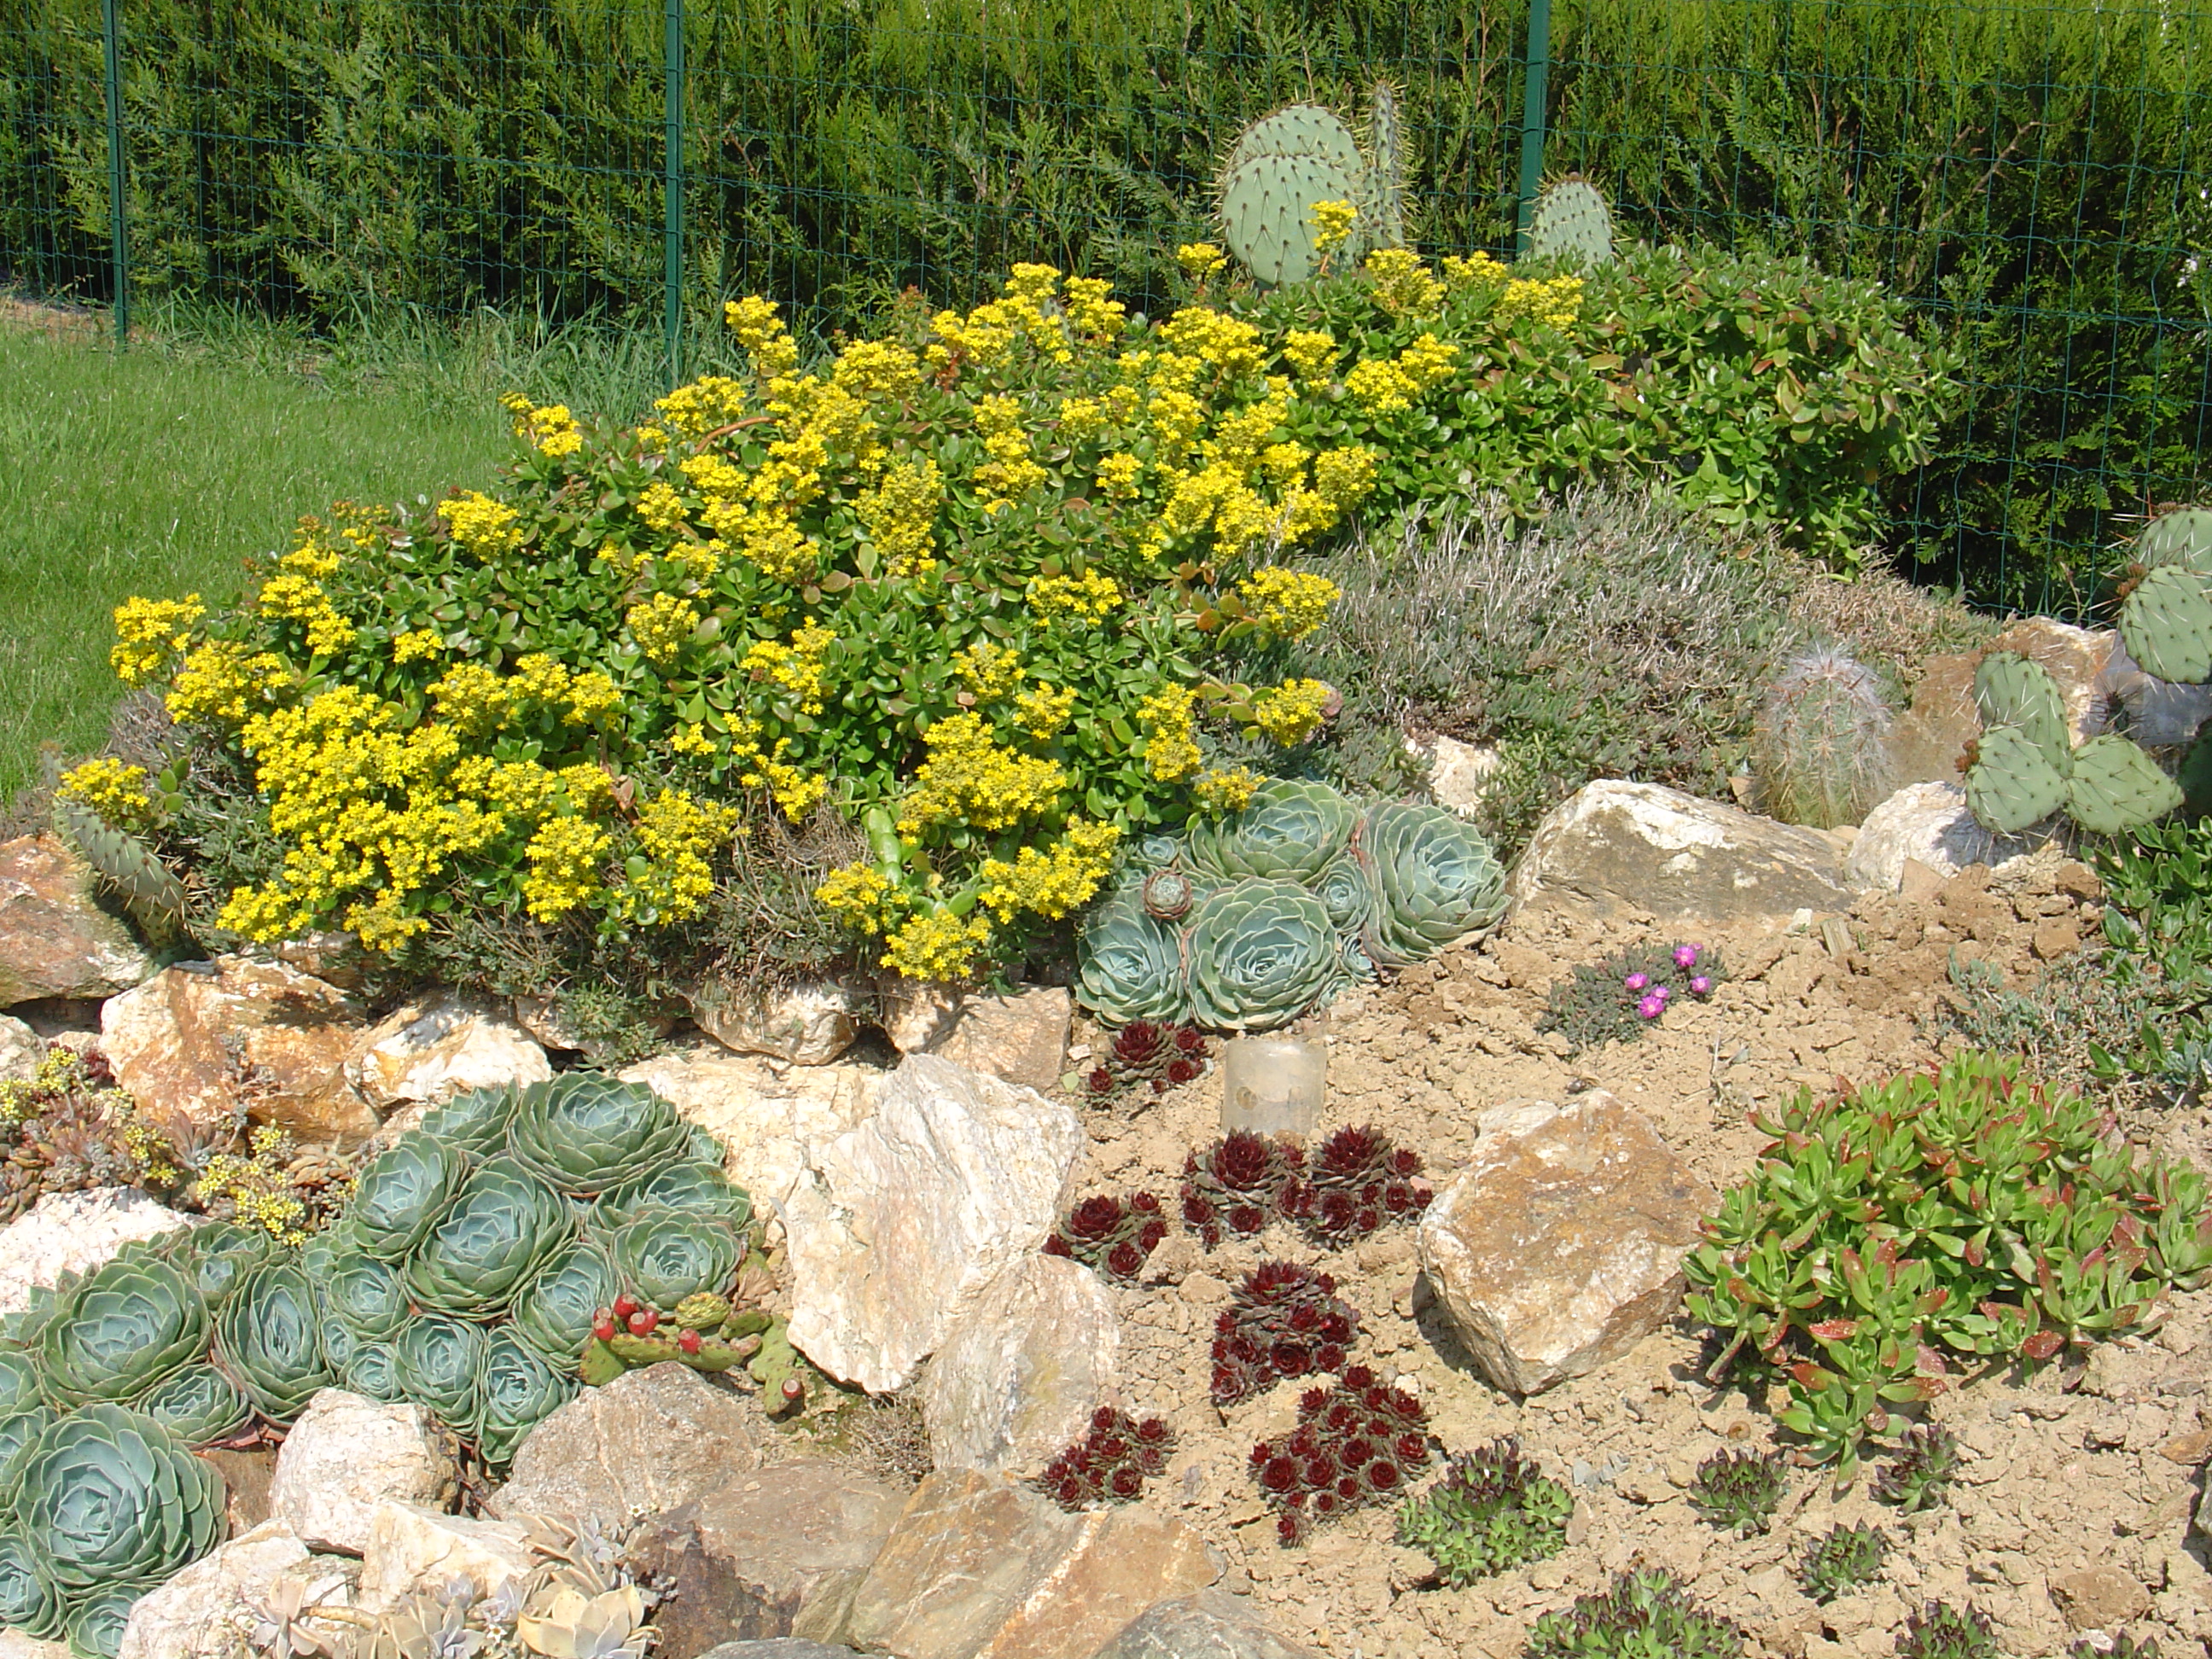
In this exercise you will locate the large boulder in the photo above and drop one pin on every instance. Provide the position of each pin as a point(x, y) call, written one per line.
point(193, 1039)
point(347, 1454)
point(74, 1233)
point(769, 1554)
point(1210, 1624)
point(1019, 1036)
point(1561, 1246)
point(22, 1051)
point(197, 1615)
point(54, 940)
point(1019, 1376)
point(648, 1442)
point(446, 1045)
point(411, 1548)
point(896, 1226)
point(1927, 821)
point(808, 1024)
point(1615, 845)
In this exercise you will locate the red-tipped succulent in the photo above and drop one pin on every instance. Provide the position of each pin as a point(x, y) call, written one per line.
point(1238, 1184)
point(1284, 1321)
point(1145, 1052)
point(1109, 1464)
point(1356, 1444)
point(1356, 1183)
point(1113, 1236)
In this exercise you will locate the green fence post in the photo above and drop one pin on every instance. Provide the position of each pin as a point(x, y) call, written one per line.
point(672, 194)
point(1532, 116)
point(110, 28)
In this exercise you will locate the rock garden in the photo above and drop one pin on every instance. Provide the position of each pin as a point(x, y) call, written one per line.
point(1067, 986)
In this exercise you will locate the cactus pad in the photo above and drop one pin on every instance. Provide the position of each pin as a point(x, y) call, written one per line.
point(2116, 787)
point(1266, 204)
point(1573, 223)
point(2183, 538)
point(2014, 782)
point(1298, 130)
point(1385, 172)
point(2011, 690)
point(2166, 622)
point(154, 898)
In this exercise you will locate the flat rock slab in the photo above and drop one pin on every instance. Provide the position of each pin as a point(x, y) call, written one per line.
point(1614, 845)
point(1210, 1624)
point(54, 940)
point(1021, 1035)
point(411, 1548)
point(1561, 1247)
point(1018, 1378)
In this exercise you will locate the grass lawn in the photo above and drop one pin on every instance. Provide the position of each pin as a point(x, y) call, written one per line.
point(157, 471)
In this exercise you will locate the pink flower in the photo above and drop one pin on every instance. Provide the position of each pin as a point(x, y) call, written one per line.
point(1636, 981)
point(1685, 956)
point(1652, 1006)
point(1701, 986)
point(1662, 992)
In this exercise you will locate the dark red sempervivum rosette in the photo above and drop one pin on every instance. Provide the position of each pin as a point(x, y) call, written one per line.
point(1284, 1321)
point(1114, 1236)
point(1238, 1185)
point(1143, 1052)
point(1355, 1184)
point(1109, 1464)
point(1356, 1444)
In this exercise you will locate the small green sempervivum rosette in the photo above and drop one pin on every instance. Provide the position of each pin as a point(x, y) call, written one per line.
point(401, 1191)
point(1131, 963)
point(1345, 892)
point(692, 1186)
point(96, 1624)
point(519, 1391)
point(199, 1404)
point(1258, 955)
point(439, 1363)
point(475, 1123)
point(583, 1133)
point(110, 1498)
point(220, 1253)
point(1289, 831)
point(28, 1601)
point(1435, 881)
point(502, 1225)
point(665, 1255)
point(553, 1314)
point(269, 1338)
point(118, 1330)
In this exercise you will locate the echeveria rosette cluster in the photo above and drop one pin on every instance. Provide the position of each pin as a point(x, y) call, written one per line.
point(1131, 963)
point(585, 1133)
point(501, 1226)
point(402, 1190)
point(1435, 881)
point(1356, 1183)
point(1238, 1184)
point(519, 1391)
point(1289, 831)
point(1258, 955)
point(439, 1364)
point(553, 1314)
point(199, 1404)
point(118, 1330)
point(269, 1339)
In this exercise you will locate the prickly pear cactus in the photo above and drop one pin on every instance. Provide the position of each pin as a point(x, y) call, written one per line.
point(2183, 537)
point(2116, 787)
point(1277, 169)
point(154, 896)
point(1385, 174)
point(2010, 689)
point(2165, 622)
point(1572, 223)
point(2014, 781)
point(1298, 130)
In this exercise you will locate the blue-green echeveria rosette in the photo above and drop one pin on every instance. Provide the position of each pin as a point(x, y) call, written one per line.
point(1129, 966)
point(553, 1314)
point(502, 1225)
point(475, 1123)
point(373, 1372)
point(401, 1191)
point(199, 1404)
point(694, 1186)
point(1289, 831)
point(19, 1380)
point(219, 1254)
point(364, 1295)
point(1435, 881)
point(110, 1498)
point(583, 1133)
point(1258, 955)
point(18, 1431)
point(440, 1365)
point(96, 1623)
point(269, 1338)
point(28, 1601)
point(1344, 892)
point(118, 1330)
point(665, 1255)
point(520, 1391)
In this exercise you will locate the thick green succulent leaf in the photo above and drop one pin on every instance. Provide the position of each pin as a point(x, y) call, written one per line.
point(373, 1372)
point(19, 1380)
point(115, 1499)
point(1298, 130)
point(365, 1295)
point(18, 1429)
point(198, 1404)
point(1435, 881)
point(693, 1187)
point(96, 1622)
point(440, 1364)
point(1345, 893)
point(665, 1255)
point(474, 1123)
point(220, 1253)
point(2013, 784)
point(269, 1337)
point(2165, 622)
point(502, 1225)
point(401, 1191)
point(2010, 689)
point(1260, 954)
point(338, 1342)
point(2177, 539)
point(121, 1328)
point(1290, 831)
point(2116, 787)
point(29, 1602)
point(1267, 203)
point(1129, 966)
point(520, 1391)
point(553, 1313)
point(582, 1133)
point(1572, 223)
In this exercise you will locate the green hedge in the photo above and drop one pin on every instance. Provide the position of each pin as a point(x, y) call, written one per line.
point(2024, 174)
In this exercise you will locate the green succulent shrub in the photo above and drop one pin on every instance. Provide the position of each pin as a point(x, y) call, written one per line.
point(1739, 1490)
point(1492, 1512)
point(1644, 1615)
point(1940, 1631)
point(1842, 1558)
point(1951, 1220)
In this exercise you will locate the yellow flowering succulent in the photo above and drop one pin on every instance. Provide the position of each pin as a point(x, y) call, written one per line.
point(1289, 713)
point(1225, 791)
point(937, 946)
point(1200, 260)
point(1291, 602)
point(1043, 711)
point(114, 791)
point(1556, 302)
point(1332, 222)
point(1169, 720)
point(1054, 883)
point(1086, 597)
point(481, 525)
point(968, 778)
point(1401, 285)
point(855, 895)
point(149, 633)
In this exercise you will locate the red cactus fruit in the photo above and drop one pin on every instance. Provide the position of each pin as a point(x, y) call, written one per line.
point(689, 1342)
point(641, 1323)
point(625, 1305)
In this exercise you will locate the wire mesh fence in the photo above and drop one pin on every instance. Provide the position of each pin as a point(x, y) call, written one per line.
point(2028, 174)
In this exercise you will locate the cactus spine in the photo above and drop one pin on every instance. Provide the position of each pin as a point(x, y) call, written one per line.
point(1572, 223)
point(1821, 744)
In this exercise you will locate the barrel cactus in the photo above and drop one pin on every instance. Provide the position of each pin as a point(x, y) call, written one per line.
point(1435, 881)
point(1821, 747)
point(1260, 954)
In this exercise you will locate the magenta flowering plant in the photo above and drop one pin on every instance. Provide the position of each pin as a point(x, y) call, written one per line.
point(1637, 982)
point(1614, 1000)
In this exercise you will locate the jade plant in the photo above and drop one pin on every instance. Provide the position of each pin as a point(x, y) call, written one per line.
point(1110, 1463)
point(1354, 1446)
point(1842, 1558)
point(1493, 1511)
point(1739, 1490)
point(1284, 1321)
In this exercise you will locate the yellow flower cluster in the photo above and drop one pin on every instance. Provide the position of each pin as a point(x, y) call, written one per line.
point(564, 857)
point(987, 334)
point(1012, 472)
point(1332, 222)
point(1401, 285)
point(878, 368)
point(678, 834)
point(225, 681)
point(1344, 477)
point(292, 598)
point(901, 516)
point(550, 429)
point(707, 404)
point(1096, 318)
point(1043, 711)
point(761, 333)
point(661, 508)
point(1171, 724)
point(1086, 597)
point(1052, 883)
point(148, 632)
point(797, 667)
point(662, 626)
point(937, 946)
point(482, 525)
point(115, 791)
point(1199, 260)
point(416, 644)
point(1289, 713)
point(1556, 302)
point(855, 895)
point(1475, 270)
point(987, 670)
point(256, 1189)
point(1230, 791)
point(1118, 476)
point(1291, 602)
point(1311, 351)
point(968, 778)
point(1384, 385)
point(1214, 339)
